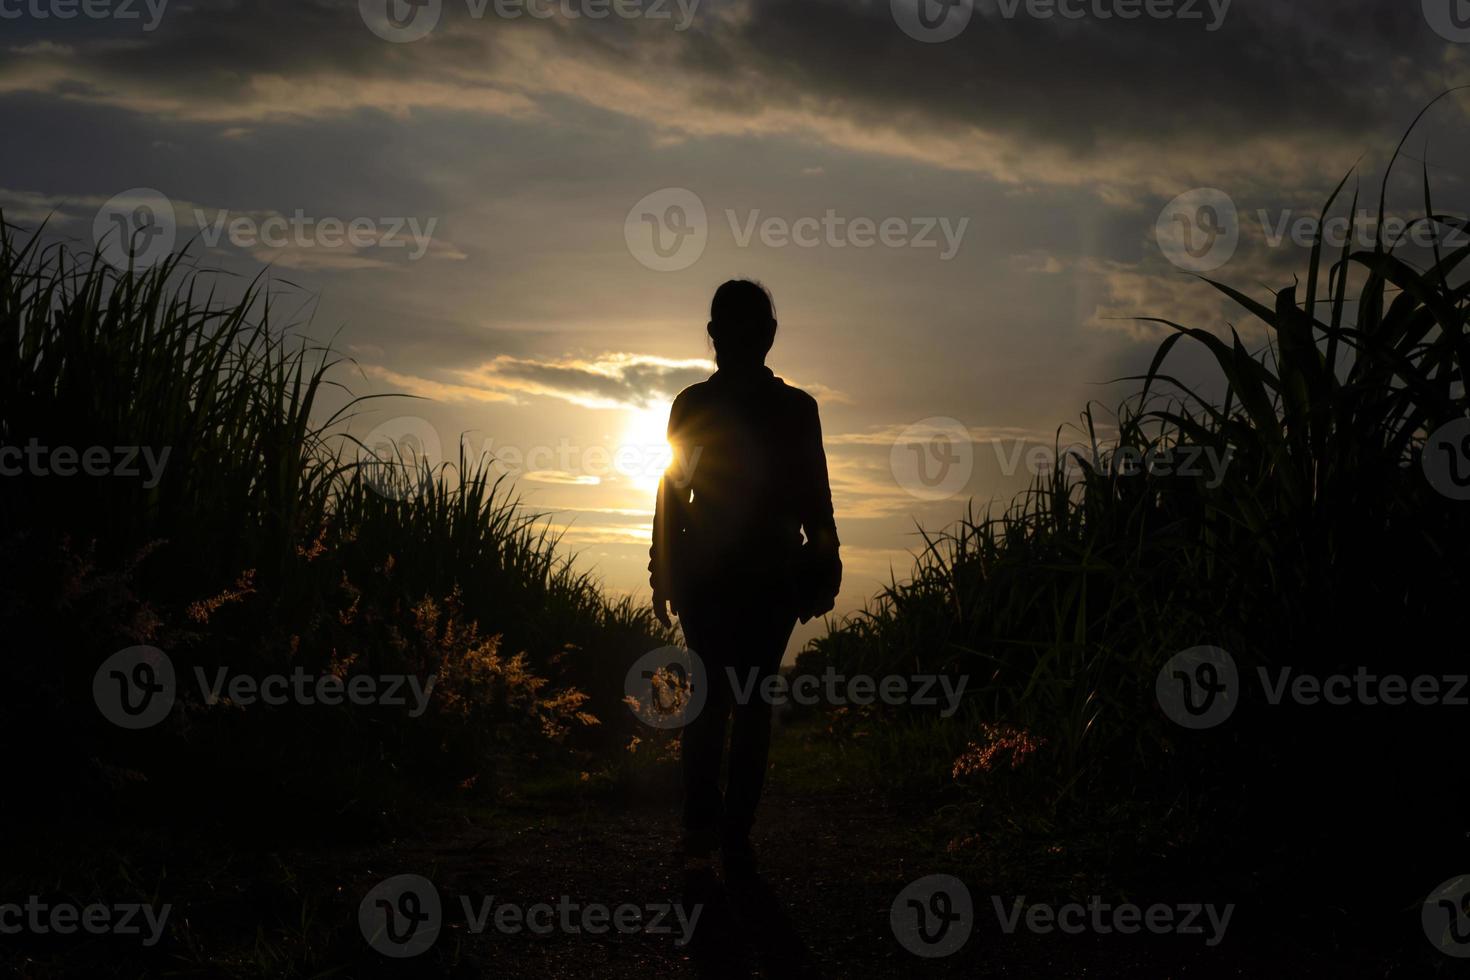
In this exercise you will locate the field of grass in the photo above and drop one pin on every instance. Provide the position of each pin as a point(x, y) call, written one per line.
point(1324, 548)
point(265, 542)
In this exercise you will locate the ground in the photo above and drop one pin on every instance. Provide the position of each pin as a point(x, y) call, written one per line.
point(832, 859)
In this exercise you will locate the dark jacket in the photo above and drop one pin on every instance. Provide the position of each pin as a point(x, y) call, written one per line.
point(749, 476)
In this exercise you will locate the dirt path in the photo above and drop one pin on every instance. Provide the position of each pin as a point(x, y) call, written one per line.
point(831, 865)
point(833, 859)
point(818, 905)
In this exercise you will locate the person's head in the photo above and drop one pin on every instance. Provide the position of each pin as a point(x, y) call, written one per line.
point(742, 323)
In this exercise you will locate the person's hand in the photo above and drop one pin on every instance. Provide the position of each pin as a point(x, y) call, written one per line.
point(661, 611)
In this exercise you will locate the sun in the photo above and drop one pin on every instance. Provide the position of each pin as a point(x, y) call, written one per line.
point(643, 451)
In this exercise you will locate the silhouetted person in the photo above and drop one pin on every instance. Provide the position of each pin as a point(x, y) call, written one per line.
point(749, 477)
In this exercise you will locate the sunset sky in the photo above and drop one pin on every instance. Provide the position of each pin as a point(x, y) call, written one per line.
point(499, 170)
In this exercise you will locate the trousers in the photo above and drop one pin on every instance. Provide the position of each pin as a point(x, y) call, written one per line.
point(739, 635)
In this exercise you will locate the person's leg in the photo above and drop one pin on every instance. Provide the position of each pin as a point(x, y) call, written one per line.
point(750, 741)
point(703, 737)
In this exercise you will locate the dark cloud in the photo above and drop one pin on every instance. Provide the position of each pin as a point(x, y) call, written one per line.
point(613, 379)
point(1310, 71)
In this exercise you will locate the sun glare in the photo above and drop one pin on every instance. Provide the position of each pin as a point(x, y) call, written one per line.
point(643, 452)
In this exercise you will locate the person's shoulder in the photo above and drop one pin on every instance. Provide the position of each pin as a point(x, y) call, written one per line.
point(693, 393)
point(690, 398)
point(796, 397)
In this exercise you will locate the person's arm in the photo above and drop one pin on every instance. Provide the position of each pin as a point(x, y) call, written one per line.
point(668, 525)
point(816, 518)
